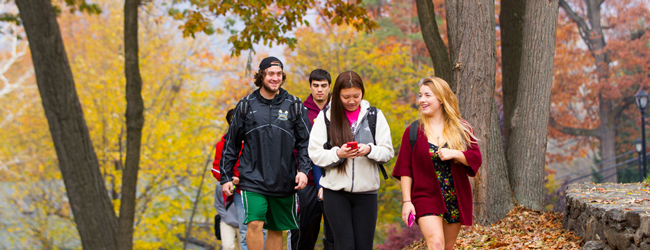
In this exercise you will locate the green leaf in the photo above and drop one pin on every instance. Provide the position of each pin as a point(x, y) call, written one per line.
point(8, 17)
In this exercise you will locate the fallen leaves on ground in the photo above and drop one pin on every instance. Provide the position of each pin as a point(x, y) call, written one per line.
point(522, 228)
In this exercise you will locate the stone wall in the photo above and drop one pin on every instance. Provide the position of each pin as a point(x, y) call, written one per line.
point(609, 216)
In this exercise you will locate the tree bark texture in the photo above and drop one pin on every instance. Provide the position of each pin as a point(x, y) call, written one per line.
point(436, 46)
point(134, 123)
point(87, 194)
point(499, 196)
point(472, 41)
point(608, 153)
point(512, 25)
point(528, 120)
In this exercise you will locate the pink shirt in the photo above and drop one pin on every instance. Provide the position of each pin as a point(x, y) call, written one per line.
point(353, 116)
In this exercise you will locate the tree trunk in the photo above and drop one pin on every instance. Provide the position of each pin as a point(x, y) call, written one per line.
point(597, 40)
point(499, 196)
point(607, 136)
point(512, 24)
point(87, 194)
point(436, 46)
point(528, 120)
point(601, 59)
point(472, 41)
point(134, 123)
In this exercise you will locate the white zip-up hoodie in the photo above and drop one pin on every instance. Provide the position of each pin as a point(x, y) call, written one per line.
point(362, 173)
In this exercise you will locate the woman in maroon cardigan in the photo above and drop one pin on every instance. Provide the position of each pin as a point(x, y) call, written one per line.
point(434, 172)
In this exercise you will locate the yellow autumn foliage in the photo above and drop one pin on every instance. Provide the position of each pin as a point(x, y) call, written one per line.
point(187, 89)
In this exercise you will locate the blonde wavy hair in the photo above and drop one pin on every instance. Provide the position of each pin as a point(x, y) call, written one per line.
point(456, 131)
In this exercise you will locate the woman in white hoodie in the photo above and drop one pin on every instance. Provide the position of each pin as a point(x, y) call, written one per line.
point(351, 177)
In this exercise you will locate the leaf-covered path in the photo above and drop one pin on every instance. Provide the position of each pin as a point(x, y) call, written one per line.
point(520, 229)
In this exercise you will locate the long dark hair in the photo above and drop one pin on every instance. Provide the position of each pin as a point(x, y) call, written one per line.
point(340, 132)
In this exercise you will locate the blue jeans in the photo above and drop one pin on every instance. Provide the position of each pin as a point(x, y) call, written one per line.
point(241, 216)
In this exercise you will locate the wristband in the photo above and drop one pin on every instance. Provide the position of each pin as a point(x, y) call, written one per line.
point(405, 201)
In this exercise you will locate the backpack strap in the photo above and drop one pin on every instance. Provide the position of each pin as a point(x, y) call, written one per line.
point(328, 143)
point(372, 123)
point(413, 133)
point(296, 106)
point(244, 105)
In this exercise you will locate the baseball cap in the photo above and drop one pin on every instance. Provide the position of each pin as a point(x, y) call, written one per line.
point(270, 61)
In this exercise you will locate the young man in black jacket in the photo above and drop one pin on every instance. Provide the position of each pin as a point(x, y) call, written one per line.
point(273, 123)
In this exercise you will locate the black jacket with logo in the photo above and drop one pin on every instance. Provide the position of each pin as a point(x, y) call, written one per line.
point(272, 129)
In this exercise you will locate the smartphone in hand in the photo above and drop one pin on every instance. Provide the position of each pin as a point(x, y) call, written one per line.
point(411, 219)
point(352, 145)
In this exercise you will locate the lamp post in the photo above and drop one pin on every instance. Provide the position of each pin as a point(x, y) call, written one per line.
point(638, 146)
point(641, 99)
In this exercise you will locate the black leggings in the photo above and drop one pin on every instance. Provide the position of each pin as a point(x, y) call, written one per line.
point(353, 218)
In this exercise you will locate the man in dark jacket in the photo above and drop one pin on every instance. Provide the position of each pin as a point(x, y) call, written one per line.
point(272, 123)
point(311, 209)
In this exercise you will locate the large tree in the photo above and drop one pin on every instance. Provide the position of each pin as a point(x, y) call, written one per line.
point(92, 208)
point(528, 49)
point(592, 34)
point(93, 212)
point(605, 62)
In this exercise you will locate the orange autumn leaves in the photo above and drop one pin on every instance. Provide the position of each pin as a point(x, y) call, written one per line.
point(579, 99)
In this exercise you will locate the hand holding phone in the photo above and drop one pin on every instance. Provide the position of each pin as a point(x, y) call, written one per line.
point(352, 145)
point(411, 219)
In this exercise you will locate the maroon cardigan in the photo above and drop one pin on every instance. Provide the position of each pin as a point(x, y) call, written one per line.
point(425, 192)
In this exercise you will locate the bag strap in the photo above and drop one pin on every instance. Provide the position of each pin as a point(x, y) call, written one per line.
point(413, 133)
point(328, 144)
point(244, 105)
point(372, 123)
point(297, 106)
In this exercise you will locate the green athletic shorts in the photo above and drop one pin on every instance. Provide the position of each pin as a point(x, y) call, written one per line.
point(278, 213)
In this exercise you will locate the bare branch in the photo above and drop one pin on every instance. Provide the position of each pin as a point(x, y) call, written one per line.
point(571, 130)
point(582, 24)
point(17, 50)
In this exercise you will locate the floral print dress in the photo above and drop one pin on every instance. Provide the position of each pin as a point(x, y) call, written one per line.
point(443, 170)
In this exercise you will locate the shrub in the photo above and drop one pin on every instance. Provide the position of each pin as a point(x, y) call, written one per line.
point(399, 237)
